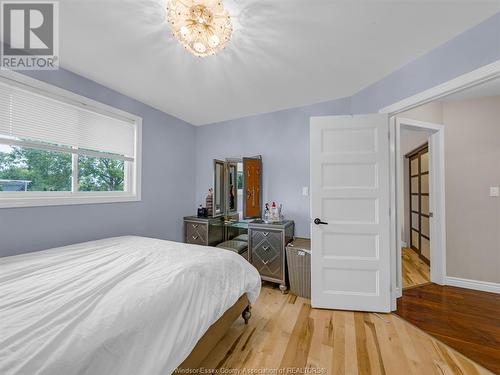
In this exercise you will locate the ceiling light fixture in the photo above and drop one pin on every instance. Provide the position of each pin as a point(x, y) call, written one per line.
point(202, 26)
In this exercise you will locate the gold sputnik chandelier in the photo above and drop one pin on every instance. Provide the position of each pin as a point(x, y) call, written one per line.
point(202, 26)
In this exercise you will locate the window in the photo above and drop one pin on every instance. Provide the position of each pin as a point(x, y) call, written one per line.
point(60, 148)
point(38, 170)
point(100, 174)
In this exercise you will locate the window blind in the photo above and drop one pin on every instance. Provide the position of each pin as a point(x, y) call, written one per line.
point(29, 115)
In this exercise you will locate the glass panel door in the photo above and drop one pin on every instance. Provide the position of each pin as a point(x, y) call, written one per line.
point(419, 201)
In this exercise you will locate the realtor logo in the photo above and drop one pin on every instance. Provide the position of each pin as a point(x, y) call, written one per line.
point(30, 35)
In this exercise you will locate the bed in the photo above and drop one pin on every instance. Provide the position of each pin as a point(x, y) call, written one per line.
point(123, 305)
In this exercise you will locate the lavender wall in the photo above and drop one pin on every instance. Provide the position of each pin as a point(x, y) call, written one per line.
point(167, 184)
point(177, 158)
point(283, 137)
point(470, 50)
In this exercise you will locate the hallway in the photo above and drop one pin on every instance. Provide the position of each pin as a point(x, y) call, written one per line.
point(415, 270)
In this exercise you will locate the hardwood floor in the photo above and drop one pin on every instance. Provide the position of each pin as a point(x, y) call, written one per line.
point(286, 333)
point(415, 270)
point(466, 320)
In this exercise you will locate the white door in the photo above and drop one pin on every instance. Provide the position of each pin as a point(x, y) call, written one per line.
point(350, 211)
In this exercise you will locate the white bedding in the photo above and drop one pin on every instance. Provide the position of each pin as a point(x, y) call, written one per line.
point(124, 305)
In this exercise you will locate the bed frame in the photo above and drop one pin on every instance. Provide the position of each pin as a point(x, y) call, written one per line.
point(216, 332)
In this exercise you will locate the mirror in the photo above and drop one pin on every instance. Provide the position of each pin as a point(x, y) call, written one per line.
point(252, 181)
point(237, 187)
point(218, 207)
point(231, 187)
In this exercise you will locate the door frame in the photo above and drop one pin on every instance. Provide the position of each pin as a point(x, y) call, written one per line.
point(437, 226)
point(460, 83)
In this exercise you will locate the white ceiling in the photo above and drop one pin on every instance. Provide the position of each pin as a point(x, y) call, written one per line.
point(283, 53)
point(489, 88)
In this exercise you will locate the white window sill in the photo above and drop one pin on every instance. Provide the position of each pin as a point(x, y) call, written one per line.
point(62, 199)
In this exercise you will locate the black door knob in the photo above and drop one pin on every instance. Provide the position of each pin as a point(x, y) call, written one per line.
point(318, 221)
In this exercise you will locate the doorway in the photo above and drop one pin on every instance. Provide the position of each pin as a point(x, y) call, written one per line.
point(476, 78)
point(419, 203)
point(415, 247)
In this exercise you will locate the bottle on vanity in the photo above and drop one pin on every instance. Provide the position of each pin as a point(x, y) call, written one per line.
point(267, 213)
point(209, 202)
point(274, 212)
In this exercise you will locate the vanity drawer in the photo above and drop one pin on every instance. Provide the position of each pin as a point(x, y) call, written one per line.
point(268, 261)
point(267, 252)
point(273, 237)
point(196, 233)
point(266, 249)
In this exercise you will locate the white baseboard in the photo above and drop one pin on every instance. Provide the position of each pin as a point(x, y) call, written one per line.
point(484, 286)
point(404, 244)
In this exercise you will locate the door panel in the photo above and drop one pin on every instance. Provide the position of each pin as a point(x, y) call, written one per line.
point(252, 170)
point(414, 185)
point(424, 162)
point(424, 204)
point(348, 281)
point(424, 226)
point(415, 222)
point(414, 200)
point(361, 140)
point(414, 166)
point(415, 238)
point(424, 184)
point(350, 245)
point(419, 202)
point(350, 192)
point(346, 175)
point(347, 210)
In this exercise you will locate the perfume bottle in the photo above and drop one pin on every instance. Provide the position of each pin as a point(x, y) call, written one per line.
point(267, 213)
point(274, 212)
point(208, 202)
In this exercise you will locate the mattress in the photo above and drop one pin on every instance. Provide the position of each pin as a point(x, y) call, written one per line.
point(124, 305)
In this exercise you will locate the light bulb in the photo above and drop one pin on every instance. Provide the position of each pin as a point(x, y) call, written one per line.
point(184, 31)
point(213, 41)
point(199, 47)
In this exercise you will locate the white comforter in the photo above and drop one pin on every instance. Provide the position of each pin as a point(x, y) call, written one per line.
point(125, 305)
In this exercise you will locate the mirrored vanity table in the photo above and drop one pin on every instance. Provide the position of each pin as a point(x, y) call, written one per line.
point(264, 243)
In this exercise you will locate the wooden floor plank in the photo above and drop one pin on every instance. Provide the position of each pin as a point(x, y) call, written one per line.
point(415, 270)
point(285, 332)
point(467, 320)
point(391, 347)
point(299, 342)
point(338, 358)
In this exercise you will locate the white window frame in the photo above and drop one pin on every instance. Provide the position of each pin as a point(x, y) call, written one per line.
point(132, 179)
